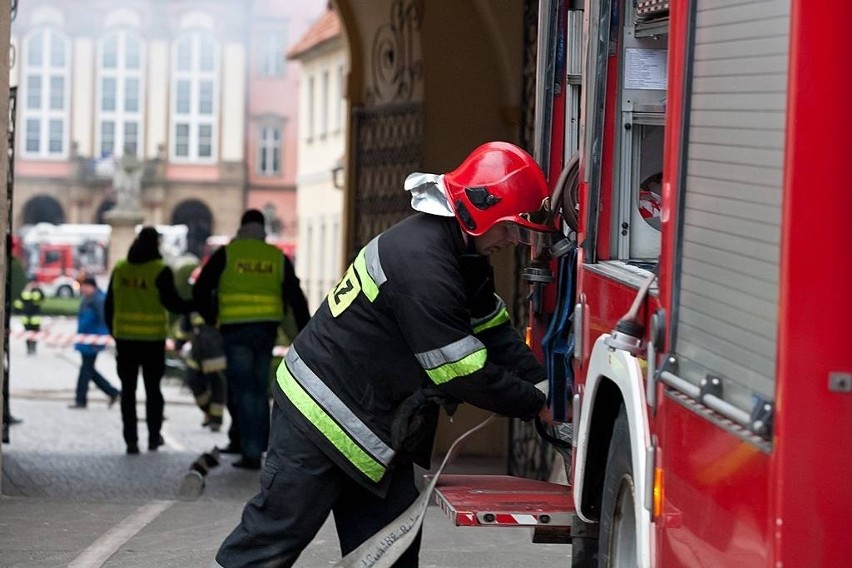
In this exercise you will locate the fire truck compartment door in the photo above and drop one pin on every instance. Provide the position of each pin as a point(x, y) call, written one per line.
point(504, 501)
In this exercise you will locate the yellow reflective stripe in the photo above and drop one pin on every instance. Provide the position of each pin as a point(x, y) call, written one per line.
point(449, 371)
point(501, 317)
point(250, 298)
point(368, 285)
point(134, 317)
point(329, 428)
point(137, 325)
point(141, 332)
point(244, 311)
point(247, 305)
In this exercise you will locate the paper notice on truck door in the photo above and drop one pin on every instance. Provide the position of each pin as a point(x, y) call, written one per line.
point(645, 69)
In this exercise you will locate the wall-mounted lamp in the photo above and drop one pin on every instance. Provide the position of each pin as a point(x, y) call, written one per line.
point(337, 175)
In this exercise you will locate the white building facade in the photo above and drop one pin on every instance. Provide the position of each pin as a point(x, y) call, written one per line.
point(197, 91)
point(323, 113)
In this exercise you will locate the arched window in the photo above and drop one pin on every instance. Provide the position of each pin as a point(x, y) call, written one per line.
point(46, 71)
point(195, 92)
point(120, 94)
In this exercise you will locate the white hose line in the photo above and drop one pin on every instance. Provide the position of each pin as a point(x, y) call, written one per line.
point(386, 546)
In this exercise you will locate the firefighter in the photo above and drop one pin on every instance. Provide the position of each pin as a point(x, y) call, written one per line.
point(29, 305)
point(140, 291)
point(204, 355)
point(245, 287)
point(414, 321)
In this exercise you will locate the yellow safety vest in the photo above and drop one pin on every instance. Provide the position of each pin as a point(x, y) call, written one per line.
point(250, 284)
point(138, 313)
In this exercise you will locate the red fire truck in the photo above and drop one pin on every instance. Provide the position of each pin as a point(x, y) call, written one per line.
point(54, 255)
point(691, 319)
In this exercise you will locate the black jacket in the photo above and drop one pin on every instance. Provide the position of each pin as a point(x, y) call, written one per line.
point(415, 310)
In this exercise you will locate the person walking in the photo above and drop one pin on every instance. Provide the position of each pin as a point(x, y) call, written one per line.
point(29, 306)
point(246, 287)
point(204, 355)
point(414, 321)
point(92, 325)
point(141, 290)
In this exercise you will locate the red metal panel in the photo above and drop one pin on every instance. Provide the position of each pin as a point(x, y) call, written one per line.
point(813, 424)
point(672, 154)
point(607, 177)
point(503, 500)
point(716, 494)
point(607, 300)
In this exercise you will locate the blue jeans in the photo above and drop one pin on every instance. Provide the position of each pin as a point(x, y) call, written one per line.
point(89, 373)
point(248, 349)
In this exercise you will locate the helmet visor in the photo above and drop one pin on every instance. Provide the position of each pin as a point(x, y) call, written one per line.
point(539, 220)
point(518, 234)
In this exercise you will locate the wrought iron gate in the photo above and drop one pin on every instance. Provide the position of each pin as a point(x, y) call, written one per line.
point(386, 148)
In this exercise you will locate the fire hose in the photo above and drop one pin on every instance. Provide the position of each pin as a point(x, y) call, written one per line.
point(385, 547)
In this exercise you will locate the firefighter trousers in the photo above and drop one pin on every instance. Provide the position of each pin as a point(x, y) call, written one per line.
point(299, 487)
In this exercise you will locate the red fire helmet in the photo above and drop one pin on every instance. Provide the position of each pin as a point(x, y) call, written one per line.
point(497, 182)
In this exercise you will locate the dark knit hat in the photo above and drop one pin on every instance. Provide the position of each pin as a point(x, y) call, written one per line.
point(90, 281)
point(148, 236)
point(253, 216)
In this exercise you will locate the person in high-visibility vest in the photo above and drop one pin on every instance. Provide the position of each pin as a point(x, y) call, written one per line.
point(415, 322)
point(29, 306)
point(245, 287)
point(91, 322)
point(141, 290)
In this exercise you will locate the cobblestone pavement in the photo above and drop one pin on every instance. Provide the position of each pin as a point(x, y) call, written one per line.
point(72, 497)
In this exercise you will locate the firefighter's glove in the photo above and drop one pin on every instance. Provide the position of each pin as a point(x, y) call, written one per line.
point(415, 421)
point(196, 320)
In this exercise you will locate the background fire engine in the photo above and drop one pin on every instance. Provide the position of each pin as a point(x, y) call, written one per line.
point(56, 255)
point(53, 255)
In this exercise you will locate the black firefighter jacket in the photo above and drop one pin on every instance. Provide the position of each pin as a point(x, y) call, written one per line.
point(416, 310)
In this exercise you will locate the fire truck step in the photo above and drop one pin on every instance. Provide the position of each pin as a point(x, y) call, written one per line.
point(506, 501)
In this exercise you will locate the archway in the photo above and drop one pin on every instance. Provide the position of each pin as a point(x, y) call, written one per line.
point(195, 215)
point(42, 209)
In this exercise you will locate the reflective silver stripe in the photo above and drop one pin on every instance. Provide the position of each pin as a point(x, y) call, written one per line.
point(501, 305)
point(335, 407)
point(451, 353)
point(374, 264)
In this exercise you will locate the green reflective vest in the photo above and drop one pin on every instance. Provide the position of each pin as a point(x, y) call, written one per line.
point(138, 313)
point(250, 284)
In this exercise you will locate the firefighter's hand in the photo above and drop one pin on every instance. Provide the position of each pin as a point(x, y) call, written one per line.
point(545, 415)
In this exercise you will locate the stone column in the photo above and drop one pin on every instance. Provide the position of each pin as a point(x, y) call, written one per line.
point(123, 234)
point(127, 182)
